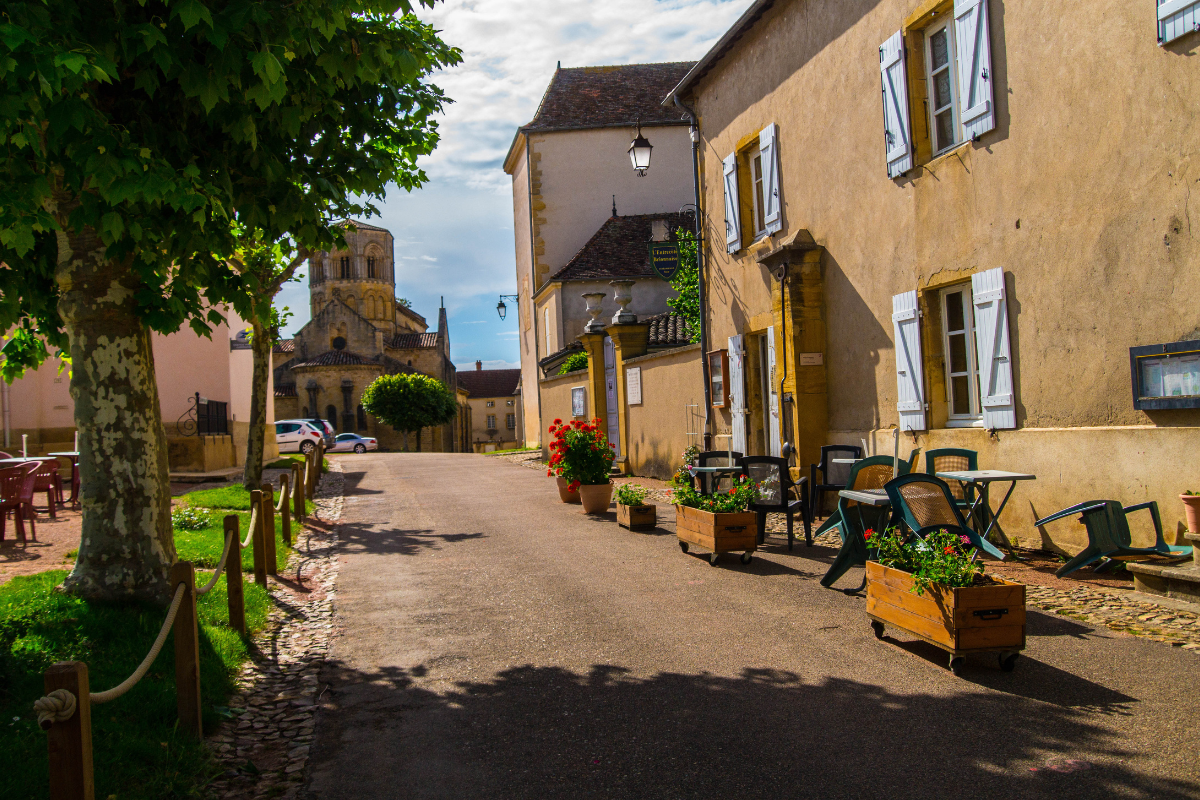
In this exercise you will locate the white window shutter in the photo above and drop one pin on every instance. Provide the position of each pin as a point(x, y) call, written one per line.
point(773, 397)
point(991, 345)
point(897, 139)
point(1176, 18)
point(910, 374)
point(737, 393)
point(976, 109)
point(769, 152)
point(733, 219)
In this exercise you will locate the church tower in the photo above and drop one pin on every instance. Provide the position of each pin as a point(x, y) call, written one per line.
point(362, 276)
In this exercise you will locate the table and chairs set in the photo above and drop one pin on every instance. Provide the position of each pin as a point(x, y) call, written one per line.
point(23, 479)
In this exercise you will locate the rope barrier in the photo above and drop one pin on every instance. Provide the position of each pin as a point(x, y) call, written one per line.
point(58, 706)
point(250, 533)
point(131, 681)
point(220, 568)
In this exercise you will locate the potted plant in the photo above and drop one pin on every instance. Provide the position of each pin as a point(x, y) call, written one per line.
point(632, 511)
point(581, 456)
point(718, 522)
point(932, 589)
point(1191, 510)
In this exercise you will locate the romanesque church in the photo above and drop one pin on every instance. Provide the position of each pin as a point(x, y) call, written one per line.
point(359, 331)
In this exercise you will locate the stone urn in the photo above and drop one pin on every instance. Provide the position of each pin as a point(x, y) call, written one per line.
point(623, 296)
point(595, 497)
point(565, 494)
point(594, 324)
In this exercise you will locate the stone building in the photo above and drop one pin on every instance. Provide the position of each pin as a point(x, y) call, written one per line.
point(496, 416)
point(359, 331)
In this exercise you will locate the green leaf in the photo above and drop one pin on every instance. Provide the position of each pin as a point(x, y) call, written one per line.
point(190, 12)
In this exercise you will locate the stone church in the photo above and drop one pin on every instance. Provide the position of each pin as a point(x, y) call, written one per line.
point(359, 331)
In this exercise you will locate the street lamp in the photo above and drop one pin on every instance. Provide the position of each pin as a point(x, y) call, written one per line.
point(502, 309)
point(639, 152)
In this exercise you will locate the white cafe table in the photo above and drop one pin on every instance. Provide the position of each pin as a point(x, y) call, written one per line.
point(74, 456)
point(989, 520)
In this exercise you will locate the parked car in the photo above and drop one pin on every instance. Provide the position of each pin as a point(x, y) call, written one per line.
point(322, 425)
point(297, 435)
point(345, 442)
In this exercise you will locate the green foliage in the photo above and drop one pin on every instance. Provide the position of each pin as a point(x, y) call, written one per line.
point(156, 123)
point(575, 361)
point(580, 453)
point(632, 494)
point(739, 497)
point(409, 402)
point(138, 753)
point(203, 547)
point(682, 477)
point(942, 558)
point(687, 283)
point(187, 518)
point(234, 497)
point(404, 301)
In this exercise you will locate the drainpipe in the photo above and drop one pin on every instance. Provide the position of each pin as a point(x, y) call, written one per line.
point(695, 135)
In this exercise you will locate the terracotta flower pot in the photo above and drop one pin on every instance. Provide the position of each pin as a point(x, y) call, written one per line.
point(596, 497)
point(1191, 511)
point(563, 494)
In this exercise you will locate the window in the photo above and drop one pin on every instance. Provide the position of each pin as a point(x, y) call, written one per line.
point(342, 437)
point(510, 421)
point(491, 422)
point(491, 403)
point(717, 367)
point(318, 272)
point(756, 172)
point(345, 264)
point(958, 347)
point(508, 403)
point(370, 266)
point(939, 50)
point(762, 162)
point(331, 415)
point(362, 418)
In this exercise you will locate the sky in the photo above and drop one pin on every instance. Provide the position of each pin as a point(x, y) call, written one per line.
point(454, 236)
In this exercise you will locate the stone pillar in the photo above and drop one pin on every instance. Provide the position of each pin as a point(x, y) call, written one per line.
point(629, 341)
point(593, 343)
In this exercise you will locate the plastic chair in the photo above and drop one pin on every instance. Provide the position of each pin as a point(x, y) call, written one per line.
point(834, 477)
point(954, 459)
point(1108, 534)
point(873, 472)
point(16, 495)
point(48, 480)
point(926, 504)
point(707, 482)
point(776, 487)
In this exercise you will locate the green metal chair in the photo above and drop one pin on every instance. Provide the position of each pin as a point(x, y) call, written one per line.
point(926, 504)
point(954, 459)
point(853, 518)
point(834, 519)
point(1108, 534)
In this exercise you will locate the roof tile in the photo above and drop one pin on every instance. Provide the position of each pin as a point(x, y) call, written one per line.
point(619, 249)
point(490, 382)
point(668, 330)
point(336, 358)
point(600, 97)
point(413, 341)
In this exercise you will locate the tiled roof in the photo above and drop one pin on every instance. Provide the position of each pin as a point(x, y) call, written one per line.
point(413, 341)
point(601, 97)
point(620, 249)
point(286, 390)
point(362, 226)
point(335, 358)
point(490, 382)
point(284, 346)
point(668, 330)
point(557, 357)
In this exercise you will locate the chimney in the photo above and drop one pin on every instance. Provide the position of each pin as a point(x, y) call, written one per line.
point(478, 366)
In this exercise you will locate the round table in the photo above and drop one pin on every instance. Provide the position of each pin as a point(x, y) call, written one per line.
point(74, 456)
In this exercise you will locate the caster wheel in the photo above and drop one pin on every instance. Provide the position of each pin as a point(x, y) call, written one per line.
point(877, 626)
point(956, 665)
point(746, 558)
point(1008, 661)
point(712, 559)
point(683, 546)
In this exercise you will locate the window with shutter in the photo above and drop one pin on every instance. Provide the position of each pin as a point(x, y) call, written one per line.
point(733, 217)
point(910, 376)
point(737, 393)
point(772, 396)
point(1177, 18)
point(897, 139)
point(991, 340)
point(772, 211)
point(974, 52)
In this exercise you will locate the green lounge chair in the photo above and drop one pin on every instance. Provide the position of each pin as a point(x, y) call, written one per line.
point(1108, 534)
point(870, 473)
point(926, 504)
point(834, 519)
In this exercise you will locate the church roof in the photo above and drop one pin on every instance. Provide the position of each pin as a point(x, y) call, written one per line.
point(413, 341)
point(336, 358)
point(362, 226)
point(284, 346)
point(620, 248)
point(490, 382)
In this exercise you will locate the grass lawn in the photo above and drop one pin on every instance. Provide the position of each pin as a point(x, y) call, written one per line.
point(285, 462)
point(203, 547)
point(137, 752)
point(233, 497)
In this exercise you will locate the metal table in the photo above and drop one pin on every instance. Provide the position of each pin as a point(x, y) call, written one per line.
point(982, 509)
point(844, 460)
point(714, 471)
point(854, 550)
point(74, 456)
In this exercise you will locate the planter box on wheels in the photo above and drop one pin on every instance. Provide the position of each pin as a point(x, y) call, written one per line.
point(637, 518)
point(972, 619)
point(720, 533)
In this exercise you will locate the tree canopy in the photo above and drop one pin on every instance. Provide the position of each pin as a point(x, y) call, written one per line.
point(409, 402)
point(687, 283)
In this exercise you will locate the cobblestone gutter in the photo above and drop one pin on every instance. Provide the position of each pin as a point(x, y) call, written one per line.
point(263, 747)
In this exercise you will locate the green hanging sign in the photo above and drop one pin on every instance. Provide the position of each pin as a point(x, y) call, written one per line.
point(664, 259)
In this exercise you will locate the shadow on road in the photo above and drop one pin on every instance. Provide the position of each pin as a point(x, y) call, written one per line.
point(359, 538)
point(351, 485)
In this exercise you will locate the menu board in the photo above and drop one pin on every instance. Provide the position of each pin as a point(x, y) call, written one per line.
point(1171, 376)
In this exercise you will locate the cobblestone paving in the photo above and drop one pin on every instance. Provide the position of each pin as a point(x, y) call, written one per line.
point(264, 745)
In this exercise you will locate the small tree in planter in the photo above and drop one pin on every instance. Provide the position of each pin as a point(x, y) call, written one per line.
point(581, 456)
point(632, 511)
point(721, 522)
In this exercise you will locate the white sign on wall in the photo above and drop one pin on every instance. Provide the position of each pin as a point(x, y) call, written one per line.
point(812, 359)
point(633, 385)
point(578, 401)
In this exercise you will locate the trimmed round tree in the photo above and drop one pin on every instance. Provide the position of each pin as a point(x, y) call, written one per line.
point(409, 403)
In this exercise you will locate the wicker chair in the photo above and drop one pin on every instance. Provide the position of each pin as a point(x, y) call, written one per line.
point(777, 488)
point(833, 476)
point(953, 459)
point(16, 495)
point(926, 504)
point(853, 518)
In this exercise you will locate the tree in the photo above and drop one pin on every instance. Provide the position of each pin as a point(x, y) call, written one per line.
point(409, 402)
point(140, 137)
point(687, 283)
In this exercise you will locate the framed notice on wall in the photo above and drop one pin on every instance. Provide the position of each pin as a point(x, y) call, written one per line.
point(578, 401)
point(1166, 376)
point(633, 385)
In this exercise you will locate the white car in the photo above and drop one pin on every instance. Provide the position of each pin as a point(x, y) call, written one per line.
point(345, 442)
point(296, 436)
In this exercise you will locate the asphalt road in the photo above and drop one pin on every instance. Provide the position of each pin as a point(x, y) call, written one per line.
point(496, 643)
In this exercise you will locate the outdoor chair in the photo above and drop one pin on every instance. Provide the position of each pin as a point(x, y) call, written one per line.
point(1108, 534)
point(833, 476)
point(926, 503)
point(854, 518)
point(706, 483)
point(777, 487)
point(16, 495)
point(47, 479)
point(912, 459)
point(4, 455)
point(954, 459)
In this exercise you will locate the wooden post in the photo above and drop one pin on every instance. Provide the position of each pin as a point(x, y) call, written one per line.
point(233, 576)
point(285, 508)
point(260, 546)
point(310, 474)
point(301, 511)
point(70, 742)
point(320, 459)
point(268, 518)
point(187, 651)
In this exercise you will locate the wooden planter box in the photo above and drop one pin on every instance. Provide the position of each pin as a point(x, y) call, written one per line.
point(974, 619)
point(637, 518)
point(720, 533)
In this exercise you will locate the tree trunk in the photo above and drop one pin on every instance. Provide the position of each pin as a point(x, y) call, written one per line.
point(419, 439)
point(260, 345)
point(405, 441)
point(126, 548)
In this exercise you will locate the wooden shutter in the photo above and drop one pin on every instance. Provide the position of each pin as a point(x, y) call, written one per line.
point(1176, 18)
point(971, 34)
point(910, 376)
point(773, 437)
point(991, 345)
point(769, 153)
point(897, 140)
point(733, 217)
point(737, 393)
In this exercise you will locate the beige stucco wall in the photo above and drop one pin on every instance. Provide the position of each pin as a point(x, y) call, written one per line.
point(566, 304)
point(1081, 194)
point(502, 438)
point(186, 363)
point(658, 427)
point(556, 401)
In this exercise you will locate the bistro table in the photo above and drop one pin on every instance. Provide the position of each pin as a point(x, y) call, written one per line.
point(74, 456)
point(988, 519)
point(716, 472)
point(854, 550)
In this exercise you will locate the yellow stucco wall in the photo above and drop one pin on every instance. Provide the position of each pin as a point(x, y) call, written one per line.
point(658, 426)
